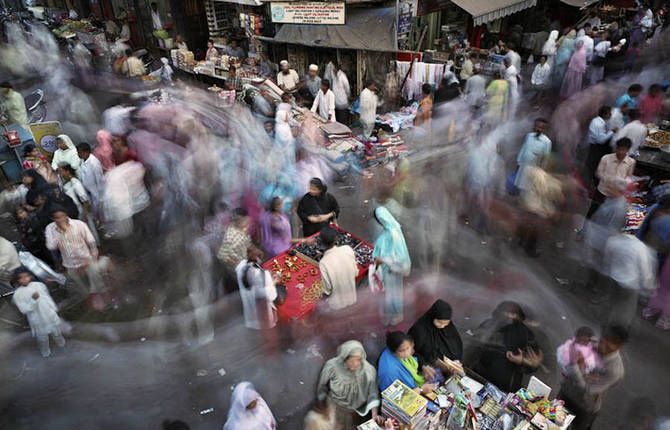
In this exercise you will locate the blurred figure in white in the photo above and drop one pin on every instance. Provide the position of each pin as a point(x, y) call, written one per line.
point(369, 104)
point(33, 300)
point(248, 410)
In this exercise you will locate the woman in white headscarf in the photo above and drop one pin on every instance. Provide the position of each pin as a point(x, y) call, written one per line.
point(248, 410)
point(66, 154)
point(550, 47)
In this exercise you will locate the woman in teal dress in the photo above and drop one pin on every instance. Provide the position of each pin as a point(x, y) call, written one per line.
point(393, 264)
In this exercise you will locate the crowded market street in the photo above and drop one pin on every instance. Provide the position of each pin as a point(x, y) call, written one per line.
point(247, 216)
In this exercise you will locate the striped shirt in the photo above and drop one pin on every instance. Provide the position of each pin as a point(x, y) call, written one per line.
point(76, 244)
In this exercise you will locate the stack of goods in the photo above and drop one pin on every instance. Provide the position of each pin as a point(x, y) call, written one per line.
point(634, 217)
point(551, 413)
point(384, 150)
point(395, 121)
point(204, 68)
point(405, 406)
point(183, 60)
point(344, 144)
point(254, 23)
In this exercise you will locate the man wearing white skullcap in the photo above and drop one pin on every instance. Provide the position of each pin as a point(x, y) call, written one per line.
point(313, 81)
point(287, 79)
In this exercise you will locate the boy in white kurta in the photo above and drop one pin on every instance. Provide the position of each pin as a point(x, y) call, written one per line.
point(33, 300)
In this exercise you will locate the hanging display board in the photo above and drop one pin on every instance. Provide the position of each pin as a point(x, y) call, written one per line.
point(320, 13)
point(45, 134)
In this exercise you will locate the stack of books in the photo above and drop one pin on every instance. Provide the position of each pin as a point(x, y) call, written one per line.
point(405, 406)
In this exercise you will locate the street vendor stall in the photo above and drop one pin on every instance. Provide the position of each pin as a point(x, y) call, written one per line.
point(465, 401)
point(298, 269)
point(654, 155)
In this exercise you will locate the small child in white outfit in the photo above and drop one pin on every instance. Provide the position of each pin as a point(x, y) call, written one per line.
point(33, 300)
point(584, 347)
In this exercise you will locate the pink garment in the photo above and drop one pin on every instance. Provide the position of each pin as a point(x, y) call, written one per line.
point(650, 108)
point(661, 300)
point(574, 76)
point(104, 150)
point(587, 351)
point(250, 203)
point(275, 232)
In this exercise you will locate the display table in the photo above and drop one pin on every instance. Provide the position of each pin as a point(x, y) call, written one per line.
point(298, 270)
point(653, 162)
point(468, 402)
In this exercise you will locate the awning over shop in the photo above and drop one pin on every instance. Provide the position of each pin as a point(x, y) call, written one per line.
point(484, 11)
point(244, 2)
point(372, 29)
point(579, 3)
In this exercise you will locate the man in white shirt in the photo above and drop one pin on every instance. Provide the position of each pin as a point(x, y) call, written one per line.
point(369, 103)
point(513, 56)
point(511, 75)
point(634, 130)
point(91, 176)
point(598, 138)
point(156, 17)
point(615, 169)
point(342, 91)
point(325, 102)
point(540, 78)
point(631, 265)
point(599, 58)
point(338, 271)
point(287, 79)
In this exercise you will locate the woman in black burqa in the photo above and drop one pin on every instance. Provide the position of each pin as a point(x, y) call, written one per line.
point(317, 208)
point(435, 336)
point(508, 348)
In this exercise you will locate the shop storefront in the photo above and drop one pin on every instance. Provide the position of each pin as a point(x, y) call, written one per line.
point(362, 53)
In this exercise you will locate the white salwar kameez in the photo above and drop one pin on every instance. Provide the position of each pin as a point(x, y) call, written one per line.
point(257, 299)
point(42, 314)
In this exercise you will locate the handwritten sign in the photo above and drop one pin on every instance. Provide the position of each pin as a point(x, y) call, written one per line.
point(320, 13)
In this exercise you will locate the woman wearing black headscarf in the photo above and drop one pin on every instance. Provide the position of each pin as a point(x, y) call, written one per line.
point(435, 336)
point(508, 348)
point(35, 183)
point(317, 208)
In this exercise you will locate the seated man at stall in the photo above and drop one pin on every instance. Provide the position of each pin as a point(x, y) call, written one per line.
point(287, 79)
point(235, 51)
point(13, 106)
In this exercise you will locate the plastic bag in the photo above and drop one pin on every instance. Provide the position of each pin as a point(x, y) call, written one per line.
point(512, 189)
point(375, 278)
point(40, 269)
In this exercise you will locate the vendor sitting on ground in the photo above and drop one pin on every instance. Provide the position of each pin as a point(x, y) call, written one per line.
point(436, 337)
point(397, 362)
point(133, 66)
point(287, 79)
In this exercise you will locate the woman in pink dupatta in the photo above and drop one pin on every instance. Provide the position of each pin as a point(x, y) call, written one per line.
point(574, 76)
point(651, 104)
point(104, 150)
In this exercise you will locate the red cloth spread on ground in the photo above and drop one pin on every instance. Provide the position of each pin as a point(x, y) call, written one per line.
point(297, 269)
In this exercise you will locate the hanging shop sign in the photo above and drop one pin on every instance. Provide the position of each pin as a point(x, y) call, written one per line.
point(320, 13)
point(45, 134)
